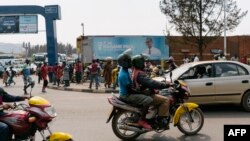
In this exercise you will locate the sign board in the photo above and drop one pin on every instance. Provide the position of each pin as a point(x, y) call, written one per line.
point(113, 46)
point(28, 24)
point(19, 24)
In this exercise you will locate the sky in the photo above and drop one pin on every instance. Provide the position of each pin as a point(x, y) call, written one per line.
point(104, 17)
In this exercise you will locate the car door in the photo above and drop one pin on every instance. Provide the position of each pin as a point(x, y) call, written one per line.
point(201, 87)
point(230, 82)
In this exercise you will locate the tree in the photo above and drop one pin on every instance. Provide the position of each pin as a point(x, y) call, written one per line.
point(201, 21)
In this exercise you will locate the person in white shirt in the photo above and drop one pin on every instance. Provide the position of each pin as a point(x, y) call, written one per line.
point(152, 51)
point(222, 56)
point(196, 59)
point(235, 58)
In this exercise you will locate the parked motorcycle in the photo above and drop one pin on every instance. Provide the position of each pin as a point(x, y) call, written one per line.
point(27, 119)
point(188, 117)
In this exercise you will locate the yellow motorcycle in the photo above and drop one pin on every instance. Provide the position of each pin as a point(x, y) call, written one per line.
point(188, 117)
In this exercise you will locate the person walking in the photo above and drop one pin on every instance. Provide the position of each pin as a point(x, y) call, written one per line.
point(11, 77)
point(107, 73)
point(44, 74)
point(26, 76)
point(38, 73)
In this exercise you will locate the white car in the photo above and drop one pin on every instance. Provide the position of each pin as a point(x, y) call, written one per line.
point(215, 81)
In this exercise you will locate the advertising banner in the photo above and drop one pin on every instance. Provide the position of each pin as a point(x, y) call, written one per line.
point(112, 46)
point(19, 24)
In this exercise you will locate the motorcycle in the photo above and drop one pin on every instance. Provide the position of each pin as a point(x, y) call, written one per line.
point(27, 119)
point(188, 117)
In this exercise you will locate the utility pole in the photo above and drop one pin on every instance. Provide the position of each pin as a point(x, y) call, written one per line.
point(82, 48)
point(26, 46)
point(225, 27)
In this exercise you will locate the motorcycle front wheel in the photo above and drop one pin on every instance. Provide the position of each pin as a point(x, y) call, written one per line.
point(186, 126)
point(121, 118)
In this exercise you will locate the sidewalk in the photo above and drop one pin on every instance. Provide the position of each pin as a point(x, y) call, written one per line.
point(84, 87)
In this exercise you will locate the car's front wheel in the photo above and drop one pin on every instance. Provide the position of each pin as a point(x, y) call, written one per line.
point(245, 102)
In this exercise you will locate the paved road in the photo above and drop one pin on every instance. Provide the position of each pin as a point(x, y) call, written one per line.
point(84, 115)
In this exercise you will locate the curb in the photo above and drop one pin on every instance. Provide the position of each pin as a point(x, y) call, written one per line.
point(84, 90)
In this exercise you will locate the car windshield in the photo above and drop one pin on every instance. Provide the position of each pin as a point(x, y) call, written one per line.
point(178, 71)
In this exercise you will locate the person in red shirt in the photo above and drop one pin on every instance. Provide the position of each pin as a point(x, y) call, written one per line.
point(244, 60)
point(78, 72)
point(50, 73)
point(44, 74)
point(59, 74)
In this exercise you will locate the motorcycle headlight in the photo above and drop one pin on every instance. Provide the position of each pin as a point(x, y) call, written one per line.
point(50, 111)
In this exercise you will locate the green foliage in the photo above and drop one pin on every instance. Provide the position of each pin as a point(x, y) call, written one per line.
point(201, 21)
point(62, 48)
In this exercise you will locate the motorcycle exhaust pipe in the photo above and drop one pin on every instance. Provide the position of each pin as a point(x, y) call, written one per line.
point(130, 128)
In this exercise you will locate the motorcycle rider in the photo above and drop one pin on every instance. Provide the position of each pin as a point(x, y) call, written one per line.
point(5, 97)
point(127, 93)
point(148, 86)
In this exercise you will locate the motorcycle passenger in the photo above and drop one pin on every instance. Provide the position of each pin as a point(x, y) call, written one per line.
point(5, 97)
point(127, 93)
point(149, 86)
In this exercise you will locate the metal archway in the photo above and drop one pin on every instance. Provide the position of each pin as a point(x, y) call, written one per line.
point(50, 13)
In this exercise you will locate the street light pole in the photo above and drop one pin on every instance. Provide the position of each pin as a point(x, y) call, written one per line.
point(82, 29)
point(82, 57)
point(225, 27)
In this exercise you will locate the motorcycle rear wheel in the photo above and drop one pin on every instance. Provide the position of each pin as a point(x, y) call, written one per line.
point(120, 118)
point(191, 128)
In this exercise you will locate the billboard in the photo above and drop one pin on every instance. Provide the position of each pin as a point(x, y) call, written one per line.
point(112, 46)
point(18, 24)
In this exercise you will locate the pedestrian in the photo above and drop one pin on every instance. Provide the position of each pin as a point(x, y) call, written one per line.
point(50, 73)
point(44, 74)
point(107, 73)
point(11, 77)
point(196, 58)
point(66, 75)
point(54, 73)
point(221, 56)
point(171, 64)
point(27, 80)
point(78, 71)
point(186, 60)
point(38, 73)
point(115, 73)
point(244, 59)
point(71, 72)
point(94, 69)
point(5, 77)
point(235, 58)
point(59, 74)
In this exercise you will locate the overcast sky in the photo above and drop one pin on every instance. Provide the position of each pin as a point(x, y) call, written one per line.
point(105, 17)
